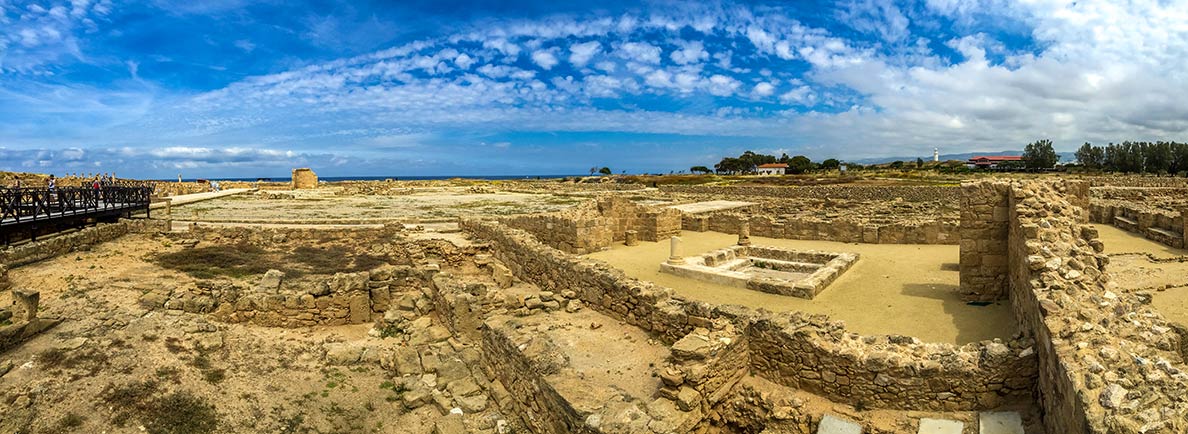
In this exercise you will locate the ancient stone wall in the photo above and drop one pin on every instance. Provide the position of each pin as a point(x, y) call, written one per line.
point(1155, 223)
point(849, 192)
point(568, 232)
point(650, 223)
point(166, 189)
point(544, 410)
point(593, 226)
point(47, 248)
point(1108, 363)
point(304, 178)
point(785, 348)
point(813, 354)
point(984, 231)
point(842, 230)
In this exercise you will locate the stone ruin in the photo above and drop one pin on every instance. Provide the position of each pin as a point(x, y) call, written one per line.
point(304, 178)
point(773, 270)
point(496, 325)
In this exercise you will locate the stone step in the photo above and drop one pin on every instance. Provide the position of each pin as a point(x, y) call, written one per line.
point(1000, 422)
point(940, 426)
point(831, 424)
point(1164, 232)
point(1125, 220)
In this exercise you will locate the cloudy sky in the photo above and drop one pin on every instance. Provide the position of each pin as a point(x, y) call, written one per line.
point(220, 88)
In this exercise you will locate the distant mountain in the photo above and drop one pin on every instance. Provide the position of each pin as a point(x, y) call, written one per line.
point(1065, 157)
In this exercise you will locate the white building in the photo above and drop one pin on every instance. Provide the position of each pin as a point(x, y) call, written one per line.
point(772, 169)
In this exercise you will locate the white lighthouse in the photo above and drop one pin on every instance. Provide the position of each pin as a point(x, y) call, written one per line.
point(935, 154)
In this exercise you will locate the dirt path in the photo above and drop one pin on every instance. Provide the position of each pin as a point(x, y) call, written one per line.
point(893, 289)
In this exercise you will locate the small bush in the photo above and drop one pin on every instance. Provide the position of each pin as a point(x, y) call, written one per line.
point(69, 421)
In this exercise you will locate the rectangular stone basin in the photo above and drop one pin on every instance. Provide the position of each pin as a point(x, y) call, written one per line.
point(774, 270)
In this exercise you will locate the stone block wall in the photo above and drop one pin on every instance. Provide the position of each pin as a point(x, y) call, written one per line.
point(816, 355)
point(595, 225)
point(304, 178)
point(984, 233)
point(1108, 363)
point(51, 247)
point(651, 223)
point(1158, 224)
point(844, 230)
point(568, 233)
point(787, 348)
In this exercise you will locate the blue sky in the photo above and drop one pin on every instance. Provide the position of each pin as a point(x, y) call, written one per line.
point(225, 88)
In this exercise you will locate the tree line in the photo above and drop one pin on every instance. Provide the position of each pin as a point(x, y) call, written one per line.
point(1136, 157)
point(749, 161)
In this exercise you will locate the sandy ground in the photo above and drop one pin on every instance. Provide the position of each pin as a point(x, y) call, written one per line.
point(325, 206)
point(893, 289)
point(1135, 272)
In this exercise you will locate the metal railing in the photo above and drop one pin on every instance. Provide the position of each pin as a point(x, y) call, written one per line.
point(23, 205)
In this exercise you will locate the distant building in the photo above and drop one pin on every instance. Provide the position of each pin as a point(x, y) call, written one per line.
point(935, 155)
point(772, 169)
point(304, 178)
point(991, 162)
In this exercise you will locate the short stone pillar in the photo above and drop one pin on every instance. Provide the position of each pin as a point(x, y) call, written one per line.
point(4, 282)
point(674, 252)
point(744, 234)
point(168, 207)
point(25, 304)
point(1184, 222)
point(631, 238)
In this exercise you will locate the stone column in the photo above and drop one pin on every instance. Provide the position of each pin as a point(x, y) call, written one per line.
point(4, 282)
point(674, 252)
point(168, 207)
point(26, 303)
point(631, 238)
point(744, 233)
point(1184, 222)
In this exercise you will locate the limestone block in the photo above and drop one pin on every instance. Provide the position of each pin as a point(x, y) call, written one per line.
point(25, 304)
point(940, 426)
point(831, 424)
point(1005, 422)
point(271, 282)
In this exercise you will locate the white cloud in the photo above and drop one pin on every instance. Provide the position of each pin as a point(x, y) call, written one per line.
point(690, 52)
point(763, 89)
point(463, 61)
point(580, 54)
point(640, 52)
point(544, 58)
point(722, 85)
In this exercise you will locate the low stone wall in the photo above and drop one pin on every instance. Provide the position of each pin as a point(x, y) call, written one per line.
point(1167, 227)
point(61, 244)
point(167, 189)
point(595, 225)
point(1108, 363)
point(572, 234)
point(844, 230)
point(543, 409)
point(816, 355)
point(849, 192)
point(785, 348)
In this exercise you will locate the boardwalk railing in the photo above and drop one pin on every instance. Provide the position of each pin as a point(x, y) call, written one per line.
point(19, 206)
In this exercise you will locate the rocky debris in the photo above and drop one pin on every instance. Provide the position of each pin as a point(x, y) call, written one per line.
point(270, 283)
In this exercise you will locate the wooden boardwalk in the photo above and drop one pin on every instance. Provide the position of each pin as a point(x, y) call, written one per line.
point(42, 210)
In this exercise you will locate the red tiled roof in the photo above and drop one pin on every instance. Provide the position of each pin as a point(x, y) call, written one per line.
point(997, 158)
point(773, 166)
